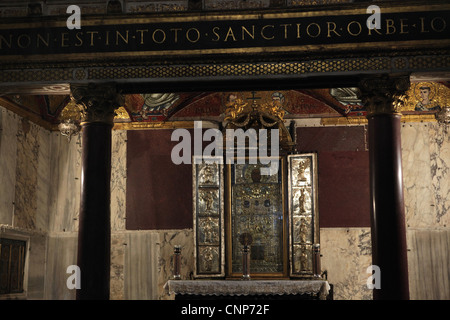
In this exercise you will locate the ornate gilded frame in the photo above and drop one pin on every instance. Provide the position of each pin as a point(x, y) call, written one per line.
point(208, 219)
point(228, 233)
point(303, 206)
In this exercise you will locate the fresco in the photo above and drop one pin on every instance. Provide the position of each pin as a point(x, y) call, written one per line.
point(151, 106)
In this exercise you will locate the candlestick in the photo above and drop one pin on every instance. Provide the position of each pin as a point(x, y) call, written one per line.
point(177, 263)
point(316, 255)
point(246, 263)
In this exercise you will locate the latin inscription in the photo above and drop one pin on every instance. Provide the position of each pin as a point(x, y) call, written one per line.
point(223, 34)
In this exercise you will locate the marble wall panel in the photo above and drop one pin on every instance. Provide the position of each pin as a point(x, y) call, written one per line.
point(36, 266)
point(61, 253)
point(25, 199)
point(117, 281)
point(141, 266)
point(43, 180)
point(118, 179)
point(8, 155)
point(346, 255)
point(429, 264)
point(142, 262)
point(417, 180)
point(168, 240)
point(65, 183)
point(439, 141)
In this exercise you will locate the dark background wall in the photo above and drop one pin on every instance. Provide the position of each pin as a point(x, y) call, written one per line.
point(159, 193)
point(343, 170)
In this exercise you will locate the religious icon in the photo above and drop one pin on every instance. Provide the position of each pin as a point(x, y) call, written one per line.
point(301, 170)
point(210, 228)
point(208, 197)
point(209, 259)
point(207, 174)
point(427, 92)
point(302, 201)
point(303, 259)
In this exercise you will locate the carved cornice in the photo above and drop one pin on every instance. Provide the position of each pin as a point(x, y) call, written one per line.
point(97, 102)
point(384, 94)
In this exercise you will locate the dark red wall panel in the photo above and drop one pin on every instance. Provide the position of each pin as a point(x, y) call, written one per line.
point(343, 169)
point(159, 193)
point(344, 194)
point(340, 138)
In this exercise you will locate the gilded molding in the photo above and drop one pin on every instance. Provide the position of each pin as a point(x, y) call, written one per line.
point(97, 102)
point(384, 95)
point(46, 74)
point(360, 121)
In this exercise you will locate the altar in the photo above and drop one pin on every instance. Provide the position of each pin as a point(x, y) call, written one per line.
point(249, 290)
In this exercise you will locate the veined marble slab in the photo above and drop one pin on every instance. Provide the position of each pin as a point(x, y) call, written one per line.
point(61, 253)
point(118, 179)
point(346, 255)
point(440, 171)
point(426, 175)
point(8, 156)
point(417, 180)
point(141, 266)
point(169, 239)
point(428, 263)
point(65, 185)
point(26, 175)
point(117, 282)
point(43, 180)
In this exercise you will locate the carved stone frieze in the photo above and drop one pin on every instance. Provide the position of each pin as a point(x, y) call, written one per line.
point(384, 94)
point(97, 102)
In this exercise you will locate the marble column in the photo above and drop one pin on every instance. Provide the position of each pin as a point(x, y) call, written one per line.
point(383, 97)
point(97, 104)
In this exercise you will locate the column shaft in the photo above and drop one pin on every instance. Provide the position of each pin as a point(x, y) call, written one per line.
point(97, 104)
point(94, 235)
point(383, 97)
point(389, 251)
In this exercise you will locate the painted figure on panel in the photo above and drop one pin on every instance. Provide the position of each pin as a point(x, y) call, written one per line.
point(426, 102)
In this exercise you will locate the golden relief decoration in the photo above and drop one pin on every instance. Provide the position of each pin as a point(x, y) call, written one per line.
point(208, 218)
point(237, 108)
point(258, 110)
point(121, 115)
point(303, 212)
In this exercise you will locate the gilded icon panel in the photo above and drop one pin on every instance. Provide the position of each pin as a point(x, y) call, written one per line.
point(248, 173)
point(303, 212)
point(208, 174)
point(302, 230)
point(302, 201)
point(208, 260)
point(208, 202)
point(208, 219)
point(256, 208)
point(208, 231)
point(301, 171)
point(303, 257)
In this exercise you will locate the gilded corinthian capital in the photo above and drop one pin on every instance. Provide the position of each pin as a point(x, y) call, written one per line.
point(97, 102)
point(384, 95)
